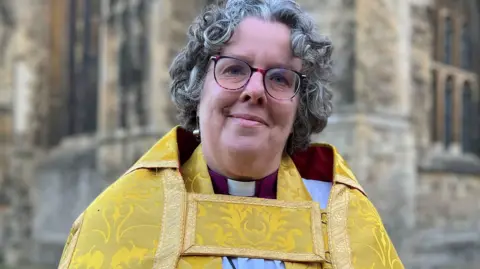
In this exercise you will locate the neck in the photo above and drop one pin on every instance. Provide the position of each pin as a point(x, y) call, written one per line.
point(242, 167)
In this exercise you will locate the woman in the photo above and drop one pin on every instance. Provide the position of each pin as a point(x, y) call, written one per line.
point(239, 185)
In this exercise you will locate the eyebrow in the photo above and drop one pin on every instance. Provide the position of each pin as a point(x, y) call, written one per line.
point(249, 60)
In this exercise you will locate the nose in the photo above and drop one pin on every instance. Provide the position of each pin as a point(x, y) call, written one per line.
point(254, 90)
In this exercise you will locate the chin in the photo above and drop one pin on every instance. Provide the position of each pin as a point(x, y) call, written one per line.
point(247, 145)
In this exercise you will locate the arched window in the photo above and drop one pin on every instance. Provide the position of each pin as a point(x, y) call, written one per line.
point(448, 113)
point(133, 64)
point(467, 118)
point(448, 41)
point(466, 48)
point(433, 112)
point(83, 64)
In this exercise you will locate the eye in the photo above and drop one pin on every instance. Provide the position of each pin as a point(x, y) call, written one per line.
point(234, 70)
point(279, 79)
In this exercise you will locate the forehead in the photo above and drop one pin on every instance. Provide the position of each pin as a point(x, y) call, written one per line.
point(263, 43)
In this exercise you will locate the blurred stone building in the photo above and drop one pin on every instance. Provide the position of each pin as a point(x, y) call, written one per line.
point(83, 93)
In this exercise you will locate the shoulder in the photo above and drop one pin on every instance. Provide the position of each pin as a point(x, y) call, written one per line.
point(369, 241)
point(355, 225)
point(129, 212)
point(136, 187)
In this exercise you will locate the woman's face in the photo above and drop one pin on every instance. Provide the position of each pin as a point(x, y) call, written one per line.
point(248, 125)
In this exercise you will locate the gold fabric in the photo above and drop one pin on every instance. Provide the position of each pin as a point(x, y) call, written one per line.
point(70, 244)
point(368, 236)
point(231, 239)
point(173, 220)
point(254, 228)
point(338, 239)
point(196, 262)
point(121, 228)
point(144, 220)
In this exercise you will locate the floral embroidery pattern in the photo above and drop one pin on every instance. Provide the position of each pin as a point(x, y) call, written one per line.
point(248, 226)
point(371, 246)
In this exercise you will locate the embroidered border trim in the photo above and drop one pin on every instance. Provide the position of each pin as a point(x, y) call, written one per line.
point(338, 240)
point(64, 263)
point(152, 165)
point(190, 248)
point(350, 182)
point(173, 219)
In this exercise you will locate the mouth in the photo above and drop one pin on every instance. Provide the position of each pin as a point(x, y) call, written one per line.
point(249, 118)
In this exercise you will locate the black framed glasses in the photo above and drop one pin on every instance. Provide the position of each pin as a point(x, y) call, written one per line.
point(233, 74)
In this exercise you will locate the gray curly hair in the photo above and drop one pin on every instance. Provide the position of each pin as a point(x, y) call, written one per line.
point(212, 29)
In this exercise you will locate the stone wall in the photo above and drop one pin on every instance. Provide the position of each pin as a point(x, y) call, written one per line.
point(448, 201)
point(342, 31)
point(421, 75)
point(166, 43)
point(378, 73)
point(67, 181)
point(371, 128)
point(447, 208)
point(23, 54)
point(448, 221)
point(168, 22)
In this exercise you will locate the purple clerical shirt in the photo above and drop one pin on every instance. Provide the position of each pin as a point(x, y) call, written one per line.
point(264, 188)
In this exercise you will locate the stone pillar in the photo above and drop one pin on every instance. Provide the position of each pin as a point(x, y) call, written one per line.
point(169, 21)
point(422, 79)
point(18, 178)
point(371, 123)
point(109, 154)
point(119, 147)
point(160, 104)
point(108, 77)
point(25, 56)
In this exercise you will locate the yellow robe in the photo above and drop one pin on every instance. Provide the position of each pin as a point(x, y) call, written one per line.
point(158, 215)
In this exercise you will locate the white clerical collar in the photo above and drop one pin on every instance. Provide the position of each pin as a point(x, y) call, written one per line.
point(241, 188)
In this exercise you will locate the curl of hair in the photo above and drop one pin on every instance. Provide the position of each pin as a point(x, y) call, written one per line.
point(212, 29)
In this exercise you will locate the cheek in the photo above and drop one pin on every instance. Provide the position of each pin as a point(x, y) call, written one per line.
point(286, 113)
point(213, 100)
point(206, 95)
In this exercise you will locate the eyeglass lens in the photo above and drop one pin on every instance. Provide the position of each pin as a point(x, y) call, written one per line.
point(234, 74)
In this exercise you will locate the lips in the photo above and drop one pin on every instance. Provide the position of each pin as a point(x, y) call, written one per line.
point(249, 117)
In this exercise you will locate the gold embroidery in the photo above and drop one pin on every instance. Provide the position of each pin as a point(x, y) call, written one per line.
point(191, 223)
point(198, 262)
point(192, 262)
point(71, 243)
point(290, 186)
point(122, 226)
point(317, 232)
point(350, 182)
point(164, 154)
point(131, 225)
point(341, 167)
point(152, 165)
point(166, 149)
point(195, 174)
point(296, 265)
point(337, 212)
point(173, 220)
point(253, 227)
point(326, 239)
point(371, 246)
